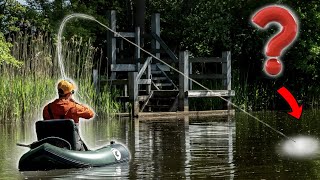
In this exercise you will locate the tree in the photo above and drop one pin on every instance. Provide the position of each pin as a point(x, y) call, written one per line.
point(5, 55)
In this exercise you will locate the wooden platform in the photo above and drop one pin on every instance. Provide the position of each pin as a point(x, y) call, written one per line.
point(181, 114)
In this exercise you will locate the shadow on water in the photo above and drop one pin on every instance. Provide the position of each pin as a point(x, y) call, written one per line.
point(234, 148)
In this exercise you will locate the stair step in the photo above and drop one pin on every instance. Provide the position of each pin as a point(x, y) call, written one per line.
point(159, 78)
point(165, 93)
point(163, 84)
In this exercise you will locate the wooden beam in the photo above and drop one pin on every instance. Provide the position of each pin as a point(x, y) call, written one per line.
point(144, 81)
point(207, 60)
point(165, 47)
point(125, 34)
point(123, 67)
point(208, 76)
point(212, 93)
point(144, 67)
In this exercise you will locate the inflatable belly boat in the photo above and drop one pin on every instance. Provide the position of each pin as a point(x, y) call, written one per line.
point(56, 149)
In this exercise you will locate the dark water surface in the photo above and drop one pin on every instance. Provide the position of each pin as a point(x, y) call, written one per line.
point(209, 148)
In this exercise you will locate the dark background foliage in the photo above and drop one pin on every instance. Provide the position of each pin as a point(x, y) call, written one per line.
point(205, 28)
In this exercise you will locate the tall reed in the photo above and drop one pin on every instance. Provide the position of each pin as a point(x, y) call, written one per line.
point(25, 90)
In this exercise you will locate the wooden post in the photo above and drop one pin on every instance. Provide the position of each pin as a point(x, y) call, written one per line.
point(155, 28)
point(95, 77)
point(111, 40)
point(133, 93)
point(149, 76)
point(183, 80)
point(226, 69)
point(137, 50)
point(190, 72)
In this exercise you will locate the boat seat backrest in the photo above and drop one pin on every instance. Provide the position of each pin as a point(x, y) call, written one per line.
point(62, 128)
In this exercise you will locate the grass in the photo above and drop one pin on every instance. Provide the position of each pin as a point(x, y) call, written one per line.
point(25, 90)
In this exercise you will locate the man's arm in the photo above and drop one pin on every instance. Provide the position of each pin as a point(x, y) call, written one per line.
point(84, 112)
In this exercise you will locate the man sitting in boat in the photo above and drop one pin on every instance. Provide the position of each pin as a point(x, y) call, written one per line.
point(66, 108)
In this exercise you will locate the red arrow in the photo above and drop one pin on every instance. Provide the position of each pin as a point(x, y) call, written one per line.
point(296, 109)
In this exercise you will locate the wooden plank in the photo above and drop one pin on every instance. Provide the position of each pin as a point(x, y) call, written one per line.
point(208, 76)
point(212, 93)
point(144, 81)
point(163, 84)
point(159, 78)
point(165, 47)
point(147, 116)
point(125, 34)
point(123, 67)
point(207, 60)
point(144, 67)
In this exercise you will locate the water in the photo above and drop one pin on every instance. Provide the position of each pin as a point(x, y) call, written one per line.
point(212, 148)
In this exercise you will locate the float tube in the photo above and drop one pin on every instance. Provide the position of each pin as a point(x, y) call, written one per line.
point(57, 152)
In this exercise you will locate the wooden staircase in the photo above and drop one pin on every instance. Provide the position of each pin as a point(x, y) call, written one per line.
point(164, 94)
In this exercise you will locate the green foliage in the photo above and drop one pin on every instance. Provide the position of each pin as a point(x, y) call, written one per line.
point(5, 55)
point(12, 15)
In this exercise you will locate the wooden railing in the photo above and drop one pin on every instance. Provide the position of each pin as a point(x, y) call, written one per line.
point(134, 79)
point(185, 86)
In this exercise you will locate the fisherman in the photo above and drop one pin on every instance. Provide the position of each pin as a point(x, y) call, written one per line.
point(66, 108)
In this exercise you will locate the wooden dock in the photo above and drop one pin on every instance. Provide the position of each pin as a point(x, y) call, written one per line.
point(151, 89)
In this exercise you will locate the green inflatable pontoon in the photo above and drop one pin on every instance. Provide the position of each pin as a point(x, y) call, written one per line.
point(57, 151)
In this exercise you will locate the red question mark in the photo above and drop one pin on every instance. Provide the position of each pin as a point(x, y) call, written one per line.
point(283, 16)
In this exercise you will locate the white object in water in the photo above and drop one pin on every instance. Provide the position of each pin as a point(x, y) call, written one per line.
point(300, 147)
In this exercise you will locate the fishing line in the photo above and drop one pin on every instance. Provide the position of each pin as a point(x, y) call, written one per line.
point(234, 105)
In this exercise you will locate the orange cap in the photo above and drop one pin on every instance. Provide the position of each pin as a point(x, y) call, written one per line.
point(65, 87)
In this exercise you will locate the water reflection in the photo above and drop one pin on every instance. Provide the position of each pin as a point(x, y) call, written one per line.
point(226, 148)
